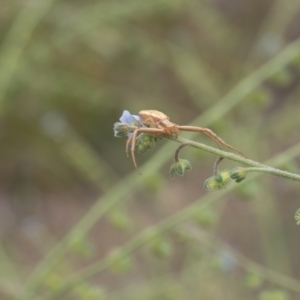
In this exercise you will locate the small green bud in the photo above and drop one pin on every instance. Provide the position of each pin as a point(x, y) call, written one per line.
point(238, 174)
point(260, 98)
point(53, 281)
point(161, 247)
point(122, 129)
point(145, 142)
point(297, 216)
point(83, 247)
point(180, 167)
point(205, 217)
point(282, 78)
point(219, 178)
point(217, 182)
point(253, 281)
point(120, 220)
point(121, 264)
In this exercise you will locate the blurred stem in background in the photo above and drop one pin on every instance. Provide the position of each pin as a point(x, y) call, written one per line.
point(16, 39)
point(11, 51)
point(269, 38)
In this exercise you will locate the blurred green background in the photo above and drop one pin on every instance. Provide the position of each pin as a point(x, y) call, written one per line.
point(68, 70)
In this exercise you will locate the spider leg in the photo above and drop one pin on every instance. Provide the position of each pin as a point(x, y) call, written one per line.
point(127, 145)
point(211, 134)
point(132, 139)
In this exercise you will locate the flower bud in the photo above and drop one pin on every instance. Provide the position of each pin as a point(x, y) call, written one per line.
point(53, 281)
point(205, 217)
point(238, 174)
point(145, 142)
point(122, 129)
point(161, 247)
point(84, 248)
point(253, 281)
point(120, 220)
point(179, 167)
point(121, 263)
point(218, 182)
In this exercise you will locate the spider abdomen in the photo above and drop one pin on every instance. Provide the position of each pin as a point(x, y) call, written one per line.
point(157, 119)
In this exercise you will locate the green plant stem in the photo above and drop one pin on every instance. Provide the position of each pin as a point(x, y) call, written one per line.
point(176, 156)
point(169, 223)
point(116, 195)
point(283, 174)
point(216, 164)
point(256, 166)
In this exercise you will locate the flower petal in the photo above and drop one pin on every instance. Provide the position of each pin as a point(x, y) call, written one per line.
point(129, 118)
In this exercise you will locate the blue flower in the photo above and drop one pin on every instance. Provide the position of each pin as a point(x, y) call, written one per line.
point(128, 124)
point(129, 118)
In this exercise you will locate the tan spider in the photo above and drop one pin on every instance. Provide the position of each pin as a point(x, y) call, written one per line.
point(158, 124)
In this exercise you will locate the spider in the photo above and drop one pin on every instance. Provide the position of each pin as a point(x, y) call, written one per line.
point(157, 123)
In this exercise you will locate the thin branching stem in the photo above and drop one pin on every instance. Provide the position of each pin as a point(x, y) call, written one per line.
point(256, 166)
point(176, 157)
point(216, 165)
